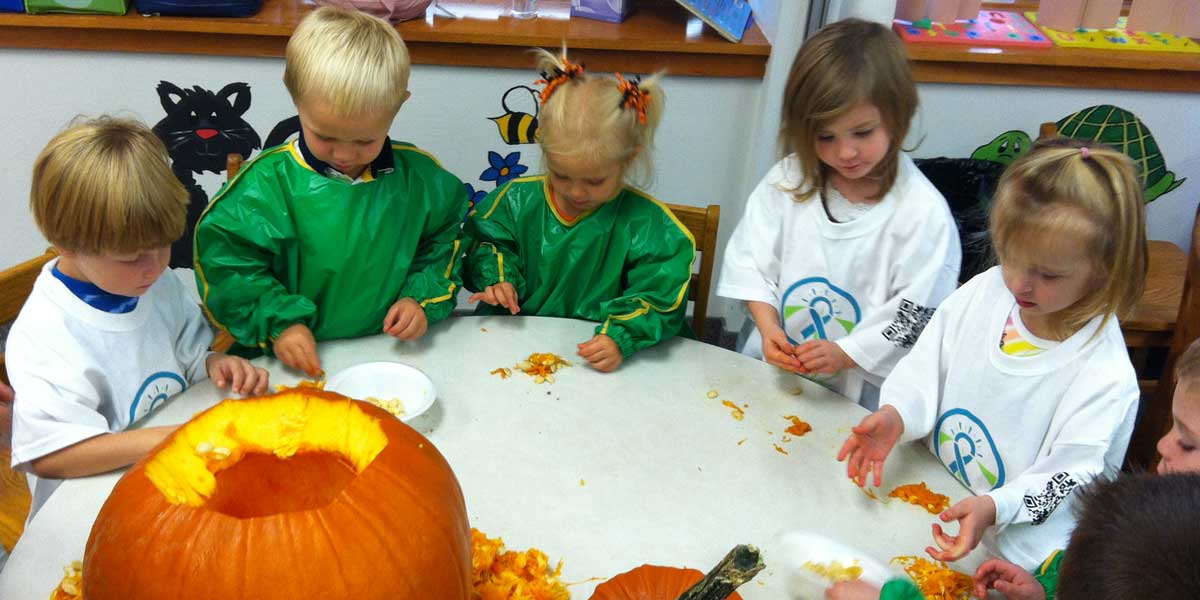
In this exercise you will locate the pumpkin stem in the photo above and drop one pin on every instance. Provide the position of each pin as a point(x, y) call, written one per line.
point(740, 565)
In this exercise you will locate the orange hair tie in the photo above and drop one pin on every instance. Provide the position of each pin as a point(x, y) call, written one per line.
point(562, 75)
point(633, 96)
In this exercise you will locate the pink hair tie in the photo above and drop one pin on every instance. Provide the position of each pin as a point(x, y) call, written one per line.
point(1085, 152)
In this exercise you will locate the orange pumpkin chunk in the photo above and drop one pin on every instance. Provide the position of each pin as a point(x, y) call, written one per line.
point(920, 495)
point(798, 427)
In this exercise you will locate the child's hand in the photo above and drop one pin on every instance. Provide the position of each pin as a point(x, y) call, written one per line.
point(602, 353)
point(823, 357)
point(503, 294)
point(974, 515)
point(297, 348)
point(870, 443)
point(852, 590)
point(405, 320)
point(6, 394)
point(778, 351)
point(1008, 579)
point(237, 374)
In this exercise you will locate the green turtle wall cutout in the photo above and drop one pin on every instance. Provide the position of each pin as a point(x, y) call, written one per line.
point(1104, 123)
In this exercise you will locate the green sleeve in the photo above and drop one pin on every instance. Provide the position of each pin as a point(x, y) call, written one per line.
point(239, 241)
point(436, 273)
point(653, 303)
point(1047, 574)
point(492, 256)
point(900, 589)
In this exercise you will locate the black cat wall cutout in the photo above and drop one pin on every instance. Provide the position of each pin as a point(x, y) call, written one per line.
point(200, 130)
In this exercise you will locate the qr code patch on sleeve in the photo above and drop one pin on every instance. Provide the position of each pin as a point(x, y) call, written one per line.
point(910, 321)
point(1041, 505)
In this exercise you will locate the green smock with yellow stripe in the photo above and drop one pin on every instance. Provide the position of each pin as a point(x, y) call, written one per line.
point(281, 244)
point(626, 264)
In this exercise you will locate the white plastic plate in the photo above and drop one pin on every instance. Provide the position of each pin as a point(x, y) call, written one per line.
point(385, 381)
point(799, 547)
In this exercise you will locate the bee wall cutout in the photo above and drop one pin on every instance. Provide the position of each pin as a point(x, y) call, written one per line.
point(518, 127)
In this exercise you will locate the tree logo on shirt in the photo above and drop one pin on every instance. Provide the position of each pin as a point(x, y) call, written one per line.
point(965, 446)
point(154, 391)
point(818, 310)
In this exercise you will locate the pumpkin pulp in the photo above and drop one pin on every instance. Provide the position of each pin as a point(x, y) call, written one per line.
point(255, 459)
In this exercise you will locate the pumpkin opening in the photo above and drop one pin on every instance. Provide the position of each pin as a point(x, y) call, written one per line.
point(264, 484)
point(261, 443)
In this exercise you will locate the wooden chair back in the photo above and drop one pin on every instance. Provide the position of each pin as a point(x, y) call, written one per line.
point(16, 283)
point(703, 224)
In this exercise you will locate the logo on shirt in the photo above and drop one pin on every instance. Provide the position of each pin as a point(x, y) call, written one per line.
point(817, 309)
point(154, 391)
point(966, 447)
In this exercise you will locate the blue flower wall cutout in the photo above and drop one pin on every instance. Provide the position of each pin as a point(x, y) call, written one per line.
point(473, 198)
point(503, 169)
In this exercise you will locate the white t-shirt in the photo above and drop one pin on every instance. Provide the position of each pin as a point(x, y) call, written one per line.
point(79, 372)
point(1024, 430)
point(869, 284)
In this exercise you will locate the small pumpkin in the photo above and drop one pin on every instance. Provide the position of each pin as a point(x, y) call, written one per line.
point(650, 582)
point(653, 582)
point(300, 494)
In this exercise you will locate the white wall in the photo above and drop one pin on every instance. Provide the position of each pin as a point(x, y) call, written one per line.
point(718, 137)
point(699, 155)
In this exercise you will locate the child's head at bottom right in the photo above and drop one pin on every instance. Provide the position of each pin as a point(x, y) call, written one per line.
point(1178, 447)
point(1138, 536)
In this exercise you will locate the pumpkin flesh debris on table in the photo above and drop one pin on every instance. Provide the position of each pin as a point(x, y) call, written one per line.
point(500, 574)
point(919, 495)
point(936, 580)
point(542, 366)
point(300, 494)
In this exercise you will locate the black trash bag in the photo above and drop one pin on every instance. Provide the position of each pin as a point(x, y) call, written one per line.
point(968, 185)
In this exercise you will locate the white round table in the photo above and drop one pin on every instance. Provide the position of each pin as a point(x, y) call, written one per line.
point(605, 471)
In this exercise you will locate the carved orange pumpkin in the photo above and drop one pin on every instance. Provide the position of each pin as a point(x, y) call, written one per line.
point(650, 582)
point(297, 495)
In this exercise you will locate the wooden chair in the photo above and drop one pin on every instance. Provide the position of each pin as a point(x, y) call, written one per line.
point(703, 223)
point(15, 285)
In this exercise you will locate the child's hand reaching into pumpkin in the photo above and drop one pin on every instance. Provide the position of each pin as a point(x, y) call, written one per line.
point(297, 348)
point(405, 320)
point(237, 374)
point(502, 294)
point(974, 515)
point(870, 443)
point(602, 353)
point(1008, 579)
point(823, 357)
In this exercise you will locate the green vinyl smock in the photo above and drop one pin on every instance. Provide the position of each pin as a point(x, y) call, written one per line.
point(626, 264)
point(282, 244)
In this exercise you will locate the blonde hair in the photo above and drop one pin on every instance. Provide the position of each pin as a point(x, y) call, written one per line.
point(104, 185)
point(846, 63)
point(1187, 367)
point(355, 62)
point(1064, 188)
point(587, 117)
